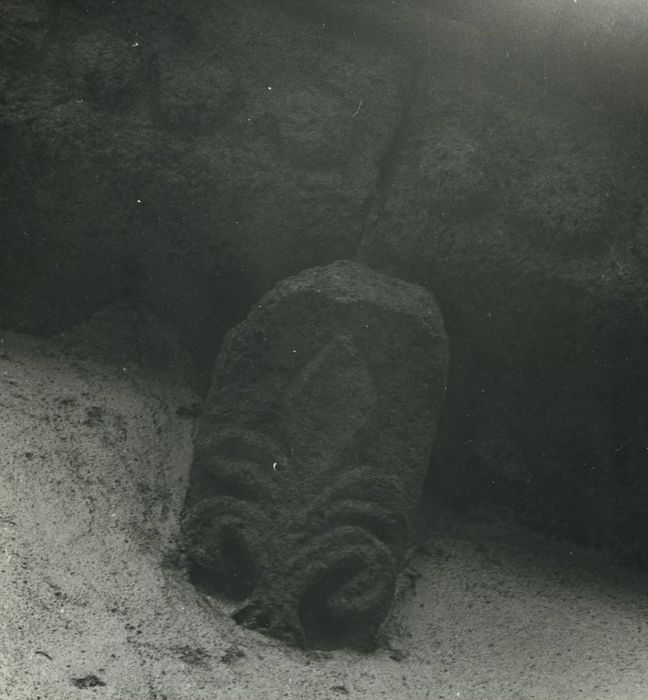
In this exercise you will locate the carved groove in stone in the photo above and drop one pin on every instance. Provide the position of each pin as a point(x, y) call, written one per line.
point(312, 451)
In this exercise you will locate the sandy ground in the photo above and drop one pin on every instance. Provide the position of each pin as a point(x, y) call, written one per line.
point(94, 459)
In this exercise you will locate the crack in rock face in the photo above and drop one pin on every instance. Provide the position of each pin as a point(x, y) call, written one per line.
point(312, 451)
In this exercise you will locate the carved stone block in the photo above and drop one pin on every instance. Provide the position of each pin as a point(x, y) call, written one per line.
point(312, 451)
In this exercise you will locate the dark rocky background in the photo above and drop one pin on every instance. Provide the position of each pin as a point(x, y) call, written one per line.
point(179, 158)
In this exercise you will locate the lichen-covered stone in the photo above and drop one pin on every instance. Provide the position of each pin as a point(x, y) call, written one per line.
point(312, 453)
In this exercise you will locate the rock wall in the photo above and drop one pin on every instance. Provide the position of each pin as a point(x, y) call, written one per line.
point(181, 154)
point(187, 156)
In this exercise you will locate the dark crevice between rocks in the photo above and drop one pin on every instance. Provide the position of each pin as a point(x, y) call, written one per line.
point(52, 25)
point(389, 159)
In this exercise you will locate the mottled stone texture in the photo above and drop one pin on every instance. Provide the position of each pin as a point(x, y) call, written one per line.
point(526, 214)
point(185, 156)
point(180, 153)
point(313, 450)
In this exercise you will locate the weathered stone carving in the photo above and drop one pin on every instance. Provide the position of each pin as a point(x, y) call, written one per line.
point(312, 451)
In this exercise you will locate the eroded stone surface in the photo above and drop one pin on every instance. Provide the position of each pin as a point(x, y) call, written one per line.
point(185, 156)
point(312, 452)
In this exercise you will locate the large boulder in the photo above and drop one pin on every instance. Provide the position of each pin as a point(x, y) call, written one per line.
point(524, 210)
point(184, 155)
point(312, 452)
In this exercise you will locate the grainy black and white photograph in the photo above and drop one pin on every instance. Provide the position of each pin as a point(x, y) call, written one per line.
point(323, 349)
